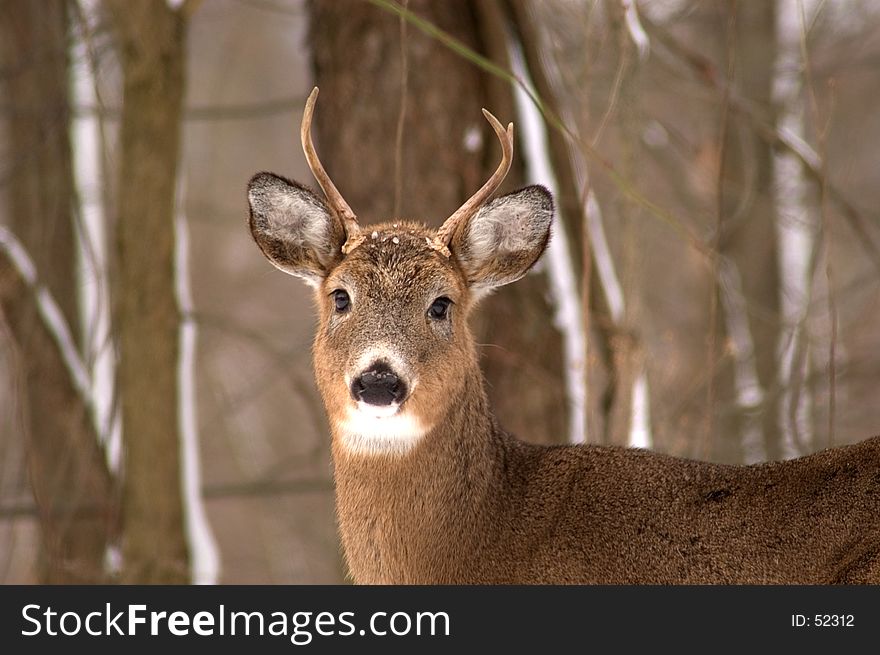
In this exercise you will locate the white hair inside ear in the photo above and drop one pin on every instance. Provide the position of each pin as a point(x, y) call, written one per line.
point(507, 224)
point(505, 238)
point(298, 219)
point(293, 227)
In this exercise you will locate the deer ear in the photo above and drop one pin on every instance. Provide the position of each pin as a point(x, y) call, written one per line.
point(504, 239)
point(293, 227)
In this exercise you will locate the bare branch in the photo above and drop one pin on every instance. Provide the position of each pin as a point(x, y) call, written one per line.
point(707, 73)
point(15, 261)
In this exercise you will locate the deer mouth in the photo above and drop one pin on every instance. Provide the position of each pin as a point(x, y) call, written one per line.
point(375, 411)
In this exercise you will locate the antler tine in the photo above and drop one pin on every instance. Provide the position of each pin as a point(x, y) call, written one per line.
point(473, 204)
point(334, 198)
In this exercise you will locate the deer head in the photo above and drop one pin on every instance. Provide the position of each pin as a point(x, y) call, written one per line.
point(393, 348)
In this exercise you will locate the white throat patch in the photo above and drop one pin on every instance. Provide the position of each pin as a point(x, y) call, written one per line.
point(371, 430)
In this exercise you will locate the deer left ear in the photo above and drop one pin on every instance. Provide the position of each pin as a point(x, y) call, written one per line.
point(504, 239)
point(293, 227)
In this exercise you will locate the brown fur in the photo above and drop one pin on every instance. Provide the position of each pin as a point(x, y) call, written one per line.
point(470, 504)
point(473, 505)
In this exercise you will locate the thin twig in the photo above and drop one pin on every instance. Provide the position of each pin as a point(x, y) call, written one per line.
point(280, 359)
point(826, 221)
point(401, 116)
point(715, 287)
point(612, 100)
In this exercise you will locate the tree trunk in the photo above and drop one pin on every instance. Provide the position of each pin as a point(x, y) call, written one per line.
point(71, 483)
point(572, 190)
point(625, 341)
point(150, 41)
point(357, 62)
point(748, 235)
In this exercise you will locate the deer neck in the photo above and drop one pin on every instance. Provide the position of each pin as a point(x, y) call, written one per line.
point(425, 515)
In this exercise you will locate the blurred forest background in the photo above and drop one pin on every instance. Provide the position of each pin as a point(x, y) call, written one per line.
point(712, 291)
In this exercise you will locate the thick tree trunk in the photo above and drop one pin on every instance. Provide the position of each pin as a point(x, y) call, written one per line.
point(70, 480)
point(447, 151)
point(35, 59)
point(150, 40)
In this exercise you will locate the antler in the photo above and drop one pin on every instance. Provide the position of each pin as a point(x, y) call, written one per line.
point(337, 203)
point(473, 204)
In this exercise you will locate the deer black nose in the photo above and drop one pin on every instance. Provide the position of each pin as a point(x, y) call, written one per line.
point(378, 385)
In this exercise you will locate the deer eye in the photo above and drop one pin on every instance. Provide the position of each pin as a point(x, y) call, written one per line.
point(439, 308)
point(341, 301)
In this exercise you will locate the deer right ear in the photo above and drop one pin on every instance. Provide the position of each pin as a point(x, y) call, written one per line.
point(504, 239)
point(293, 227)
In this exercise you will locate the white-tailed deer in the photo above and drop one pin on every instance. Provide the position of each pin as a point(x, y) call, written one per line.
point(429, 488)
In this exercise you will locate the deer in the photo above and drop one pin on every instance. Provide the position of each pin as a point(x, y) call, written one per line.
point(429, 488)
